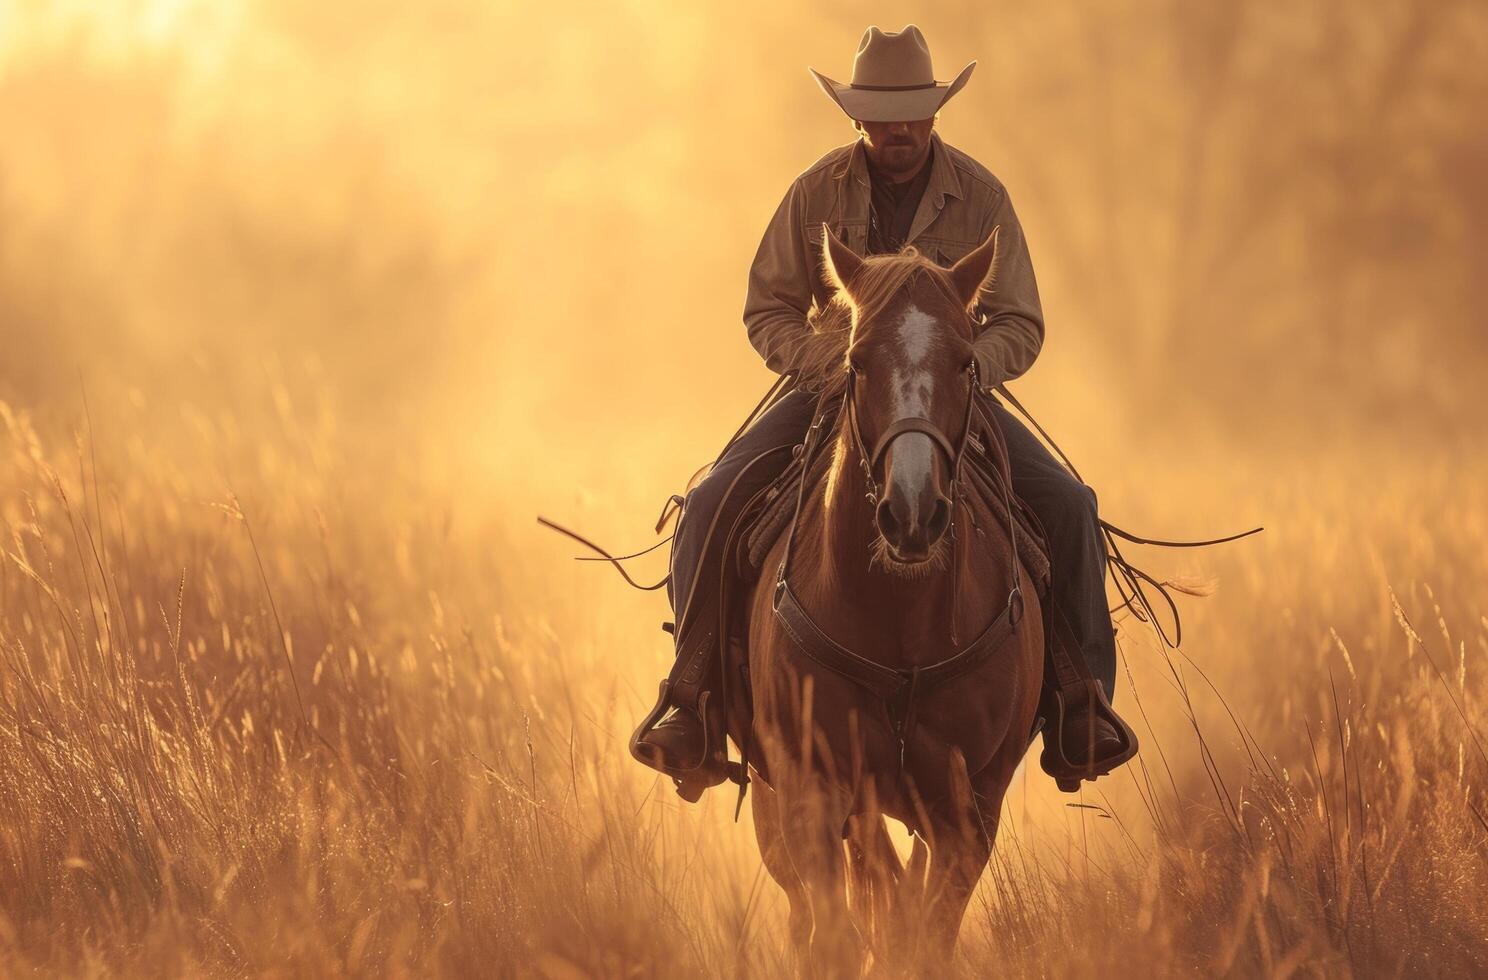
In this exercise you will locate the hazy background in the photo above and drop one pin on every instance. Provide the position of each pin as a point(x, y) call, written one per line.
point(506, 228)
point(402, 275)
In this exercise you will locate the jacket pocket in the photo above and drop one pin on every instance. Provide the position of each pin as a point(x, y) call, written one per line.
point(852, 232)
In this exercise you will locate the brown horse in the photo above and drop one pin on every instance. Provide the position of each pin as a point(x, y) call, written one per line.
point(895, 643)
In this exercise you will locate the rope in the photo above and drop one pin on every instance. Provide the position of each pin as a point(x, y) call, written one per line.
point(604, 555)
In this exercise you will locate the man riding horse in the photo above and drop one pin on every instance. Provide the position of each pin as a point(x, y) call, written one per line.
point(898, 185)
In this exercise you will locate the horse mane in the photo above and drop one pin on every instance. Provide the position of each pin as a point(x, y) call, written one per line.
point(823, 357)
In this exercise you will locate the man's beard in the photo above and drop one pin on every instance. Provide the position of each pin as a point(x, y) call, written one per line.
point(899, 158)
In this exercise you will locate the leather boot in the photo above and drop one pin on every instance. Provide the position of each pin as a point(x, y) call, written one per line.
point(683, 736)
point(1084, 739)
point(677, 742)
point(1088, 739)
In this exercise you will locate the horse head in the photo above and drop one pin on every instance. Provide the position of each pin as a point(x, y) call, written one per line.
point(909, 386)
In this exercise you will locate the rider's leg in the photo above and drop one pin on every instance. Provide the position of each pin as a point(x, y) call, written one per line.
point(784, 424)
point(756, 458)
point(1067, 509)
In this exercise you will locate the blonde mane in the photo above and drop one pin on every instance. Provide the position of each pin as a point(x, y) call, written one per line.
point(877, 282)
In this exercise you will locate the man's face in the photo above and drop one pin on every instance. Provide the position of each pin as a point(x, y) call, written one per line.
point(897, 148)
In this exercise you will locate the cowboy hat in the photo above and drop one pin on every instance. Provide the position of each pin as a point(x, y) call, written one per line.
point(892, 80)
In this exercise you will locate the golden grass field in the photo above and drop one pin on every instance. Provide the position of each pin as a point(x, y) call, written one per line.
point(307, 310)
point(335, 730)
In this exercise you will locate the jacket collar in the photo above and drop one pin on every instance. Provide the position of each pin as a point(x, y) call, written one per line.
point(944, 181)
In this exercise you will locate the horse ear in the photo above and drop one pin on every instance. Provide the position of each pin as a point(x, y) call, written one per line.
point(839, 263)
point(976, 273)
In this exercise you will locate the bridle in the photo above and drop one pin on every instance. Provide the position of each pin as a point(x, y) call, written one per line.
point(871, 460)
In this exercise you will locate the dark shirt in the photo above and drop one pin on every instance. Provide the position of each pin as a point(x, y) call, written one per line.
point(894, 206)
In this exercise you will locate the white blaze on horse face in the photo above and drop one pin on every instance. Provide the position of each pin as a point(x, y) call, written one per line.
point(913, 385)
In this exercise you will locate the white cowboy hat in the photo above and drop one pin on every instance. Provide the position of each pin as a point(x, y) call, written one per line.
point(892, 80)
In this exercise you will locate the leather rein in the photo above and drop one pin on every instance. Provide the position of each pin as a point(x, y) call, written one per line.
point(899, 687)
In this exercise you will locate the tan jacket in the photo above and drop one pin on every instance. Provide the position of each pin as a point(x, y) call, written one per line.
point(962, 204)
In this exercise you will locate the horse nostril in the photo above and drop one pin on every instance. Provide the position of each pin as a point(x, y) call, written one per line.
point(940, 518)
point(888, 524)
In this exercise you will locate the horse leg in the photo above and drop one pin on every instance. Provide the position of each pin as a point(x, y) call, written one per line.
point(813, 813)
point(778, 863)
point(960, 847)
point(964, 833)
point(873, 874)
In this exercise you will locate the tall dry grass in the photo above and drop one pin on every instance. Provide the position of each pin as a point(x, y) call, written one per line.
point(286, 715)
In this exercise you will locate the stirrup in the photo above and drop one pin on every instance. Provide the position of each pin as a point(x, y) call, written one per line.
point(1067, 775)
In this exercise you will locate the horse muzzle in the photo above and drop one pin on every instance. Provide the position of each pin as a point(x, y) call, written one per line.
point(913, 524)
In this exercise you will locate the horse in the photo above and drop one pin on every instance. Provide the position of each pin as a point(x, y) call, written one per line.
point(866, 701)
